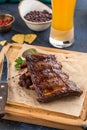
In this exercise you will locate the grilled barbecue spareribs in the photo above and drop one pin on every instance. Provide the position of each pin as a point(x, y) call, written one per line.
point(25, 80)
point(48, 79)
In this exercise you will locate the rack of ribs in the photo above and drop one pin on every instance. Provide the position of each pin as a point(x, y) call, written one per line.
point(48, 79)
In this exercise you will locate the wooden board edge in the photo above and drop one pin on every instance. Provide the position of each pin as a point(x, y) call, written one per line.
point(84, 109)
point(43, 122)
point(48, 49)
point(42, 114)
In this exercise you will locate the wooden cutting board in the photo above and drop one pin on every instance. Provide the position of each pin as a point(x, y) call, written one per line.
point(28, 114)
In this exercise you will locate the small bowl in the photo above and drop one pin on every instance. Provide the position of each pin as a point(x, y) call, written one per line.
point(4, 17)
point(25, 6)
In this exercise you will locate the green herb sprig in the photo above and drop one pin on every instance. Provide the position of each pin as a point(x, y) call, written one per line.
point(18, 62)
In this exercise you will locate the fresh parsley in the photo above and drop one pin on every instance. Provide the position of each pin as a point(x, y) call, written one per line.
point(18, 61)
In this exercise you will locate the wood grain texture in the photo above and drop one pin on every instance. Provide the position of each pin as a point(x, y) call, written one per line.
point(27, 114)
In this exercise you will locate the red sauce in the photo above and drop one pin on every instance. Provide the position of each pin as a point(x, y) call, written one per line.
point(5, 22)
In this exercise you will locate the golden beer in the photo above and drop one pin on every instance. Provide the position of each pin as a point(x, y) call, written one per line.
point(62, 28)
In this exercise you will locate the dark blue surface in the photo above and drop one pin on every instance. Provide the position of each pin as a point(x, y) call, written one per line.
point(12, 125)
point(43, 37)
point(42, 40)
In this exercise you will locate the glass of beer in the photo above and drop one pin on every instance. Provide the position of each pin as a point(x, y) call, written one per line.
point(62, 28)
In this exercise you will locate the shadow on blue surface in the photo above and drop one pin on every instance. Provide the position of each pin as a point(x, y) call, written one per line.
point(12, 125)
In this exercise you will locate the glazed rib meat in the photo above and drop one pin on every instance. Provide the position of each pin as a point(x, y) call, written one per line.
point(48, 79)
point(25, 80)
